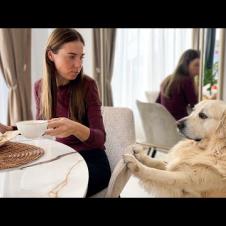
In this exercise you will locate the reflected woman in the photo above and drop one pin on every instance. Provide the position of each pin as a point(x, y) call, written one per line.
point(178, 91)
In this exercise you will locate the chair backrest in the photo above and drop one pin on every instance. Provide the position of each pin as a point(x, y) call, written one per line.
point(151, 95)
point(158, 124)
point(120, 132)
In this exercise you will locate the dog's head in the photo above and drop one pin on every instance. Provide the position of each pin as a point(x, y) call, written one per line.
point(207, 118)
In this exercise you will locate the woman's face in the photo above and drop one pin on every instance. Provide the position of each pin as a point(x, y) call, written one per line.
point(68, 60)
point(193, 67)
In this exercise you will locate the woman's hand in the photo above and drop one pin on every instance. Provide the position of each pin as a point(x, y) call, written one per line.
point(4, 128)
point(60, 127)
point(64, 127)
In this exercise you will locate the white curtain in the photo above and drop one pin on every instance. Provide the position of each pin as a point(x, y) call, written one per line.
point(143, 58)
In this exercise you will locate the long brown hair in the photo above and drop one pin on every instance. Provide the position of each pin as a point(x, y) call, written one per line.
point(48, 106)
point(173, 81)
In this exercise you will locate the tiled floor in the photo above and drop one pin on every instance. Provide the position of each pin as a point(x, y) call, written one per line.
point(133, 188)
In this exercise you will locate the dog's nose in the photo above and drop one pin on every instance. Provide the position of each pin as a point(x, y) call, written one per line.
point(180, 125)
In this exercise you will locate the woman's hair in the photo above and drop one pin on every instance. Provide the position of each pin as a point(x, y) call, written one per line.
point(57, 39)
point(182, 71)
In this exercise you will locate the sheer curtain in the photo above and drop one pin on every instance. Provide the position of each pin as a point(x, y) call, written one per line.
point(143, 58)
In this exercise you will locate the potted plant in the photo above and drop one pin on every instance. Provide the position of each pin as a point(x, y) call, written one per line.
point(210, 79)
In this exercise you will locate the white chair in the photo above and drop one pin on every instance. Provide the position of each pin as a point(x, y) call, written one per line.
point(120, 136)
point(151, 95)
point(159, 127)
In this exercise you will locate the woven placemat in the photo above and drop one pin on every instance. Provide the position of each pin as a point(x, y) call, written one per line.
point(14, 154)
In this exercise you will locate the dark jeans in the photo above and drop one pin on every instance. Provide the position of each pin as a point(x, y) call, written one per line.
point(99, 170)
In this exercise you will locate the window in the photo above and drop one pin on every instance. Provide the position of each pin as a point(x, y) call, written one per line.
point(143, 58)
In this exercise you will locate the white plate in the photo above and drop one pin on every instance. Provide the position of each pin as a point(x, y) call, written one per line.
point(7, 136)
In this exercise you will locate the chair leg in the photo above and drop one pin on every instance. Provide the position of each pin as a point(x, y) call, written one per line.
point(153, 154)
point(153, 150)
point(149, 151)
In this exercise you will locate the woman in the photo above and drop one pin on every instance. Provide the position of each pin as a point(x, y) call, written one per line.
point(70, 101)
point(177, 91)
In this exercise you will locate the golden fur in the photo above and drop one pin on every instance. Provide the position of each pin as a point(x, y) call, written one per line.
point(196, 166)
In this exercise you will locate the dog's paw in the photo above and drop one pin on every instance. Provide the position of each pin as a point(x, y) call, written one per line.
point(131, 162)
point(139, 152)
point(137, 149)
point(128, 158)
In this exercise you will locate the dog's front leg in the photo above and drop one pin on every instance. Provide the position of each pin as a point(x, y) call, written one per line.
point(178, 179)
point(132, 163)
point(146, 160)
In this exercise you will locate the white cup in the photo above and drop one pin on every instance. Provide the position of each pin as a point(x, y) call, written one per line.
point(32, 128)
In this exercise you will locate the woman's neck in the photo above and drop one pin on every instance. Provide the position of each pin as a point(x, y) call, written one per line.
point(61, 81)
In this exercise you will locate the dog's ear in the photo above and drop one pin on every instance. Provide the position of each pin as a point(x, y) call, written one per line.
point(221, 128)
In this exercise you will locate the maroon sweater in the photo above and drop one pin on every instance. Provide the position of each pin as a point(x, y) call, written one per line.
point(94, 118)
point(177, 104)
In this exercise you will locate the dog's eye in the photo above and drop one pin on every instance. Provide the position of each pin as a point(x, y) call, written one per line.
point(202, 115)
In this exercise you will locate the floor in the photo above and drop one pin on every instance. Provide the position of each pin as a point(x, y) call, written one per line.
point(133, 188)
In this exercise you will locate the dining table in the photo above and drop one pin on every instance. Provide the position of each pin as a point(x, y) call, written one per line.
point(60, 172)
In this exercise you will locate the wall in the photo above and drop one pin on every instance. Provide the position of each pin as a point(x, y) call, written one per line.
point(87, 34)
point(38, 41)
point(3, 100)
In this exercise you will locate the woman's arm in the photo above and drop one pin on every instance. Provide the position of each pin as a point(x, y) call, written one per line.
point(190, 93)
point(4, 128)
point(92, 135)
point(97, 135)
point(64, 127)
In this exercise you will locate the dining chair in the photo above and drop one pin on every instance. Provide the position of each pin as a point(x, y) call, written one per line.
point(120, 138)
point(151, 96)
point(159, 127)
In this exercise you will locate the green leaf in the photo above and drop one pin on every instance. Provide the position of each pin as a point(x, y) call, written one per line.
point(210, 76)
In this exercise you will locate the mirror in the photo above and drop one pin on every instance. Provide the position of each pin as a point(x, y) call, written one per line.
point(210, 67)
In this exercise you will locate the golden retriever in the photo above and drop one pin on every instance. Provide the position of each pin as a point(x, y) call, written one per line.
point(196, 166)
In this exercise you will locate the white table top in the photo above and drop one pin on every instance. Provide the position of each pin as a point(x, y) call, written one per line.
point(65, 177)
